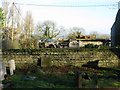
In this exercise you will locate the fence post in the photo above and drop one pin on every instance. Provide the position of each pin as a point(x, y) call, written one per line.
point(79, 79)
point(94, 82)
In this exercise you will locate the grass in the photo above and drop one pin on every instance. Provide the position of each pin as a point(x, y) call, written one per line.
point(41, 82)
point(51, 78)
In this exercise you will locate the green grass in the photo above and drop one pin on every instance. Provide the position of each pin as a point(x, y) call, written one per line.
point(109, 83)
point(41, 81)
point(47, 79)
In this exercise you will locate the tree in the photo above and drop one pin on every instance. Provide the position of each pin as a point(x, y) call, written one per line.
point(15, 20)
point(12, 23)
point(100, 36)
point(1, 25)
point(103, 36)
point(27, 39)
point(75, 31)
point(28, 25)
point(12, 19)
point(48, 29)
point(5, 6)
point(1, 17)
point(96, 34)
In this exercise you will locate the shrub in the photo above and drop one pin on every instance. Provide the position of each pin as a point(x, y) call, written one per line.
point(91, 46)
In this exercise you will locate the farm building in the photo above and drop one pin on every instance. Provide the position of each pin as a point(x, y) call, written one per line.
point(115, 31)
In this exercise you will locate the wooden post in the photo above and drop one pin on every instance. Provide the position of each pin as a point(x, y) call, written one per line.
point(79, 79)
point(94, 82)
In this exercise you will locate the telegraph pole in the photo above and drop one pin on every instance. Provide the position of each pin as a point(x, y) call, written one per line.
point(12, 37)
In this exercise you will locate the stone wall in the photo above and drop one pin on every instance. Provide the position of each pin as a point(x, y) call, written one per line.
point(59, 57)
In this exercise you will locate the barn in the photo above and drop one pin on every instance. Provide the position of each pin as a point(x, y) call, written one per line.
point(115, 31)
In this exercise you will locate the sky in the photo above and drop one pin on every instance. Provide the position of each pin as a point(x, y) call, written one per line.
point(92, 15)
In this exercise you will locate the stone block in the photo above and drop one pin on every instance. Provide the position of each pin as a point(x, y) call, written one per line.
point(44, 61)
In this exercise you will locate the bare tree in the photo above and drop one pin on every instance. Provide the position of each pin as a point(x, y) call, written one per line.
point(100, 36)
point(48, 29)
point(95, 33)
point(12, 18)
point(38, 30)
point(104, 36)
point(18, 20)
point(78, 30)
point(75, 31)
point(12, 22)
point(28, 25)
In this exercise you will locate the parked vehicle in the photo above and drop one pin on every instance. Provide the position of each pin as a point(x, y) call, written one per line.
point(47, 43)
point(64, 43)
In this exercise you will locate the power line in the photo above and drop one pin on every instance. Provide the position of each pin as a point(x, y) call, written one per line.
point(18, 12)
point(45, 5)
point(102, 5)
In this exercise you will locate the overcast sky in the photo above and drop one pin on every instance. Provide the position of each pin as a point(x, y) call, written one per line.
point(99, 18)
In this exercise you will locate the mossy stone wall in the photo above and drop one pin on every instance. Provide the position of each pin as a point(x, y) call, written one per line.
point(59, 57)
